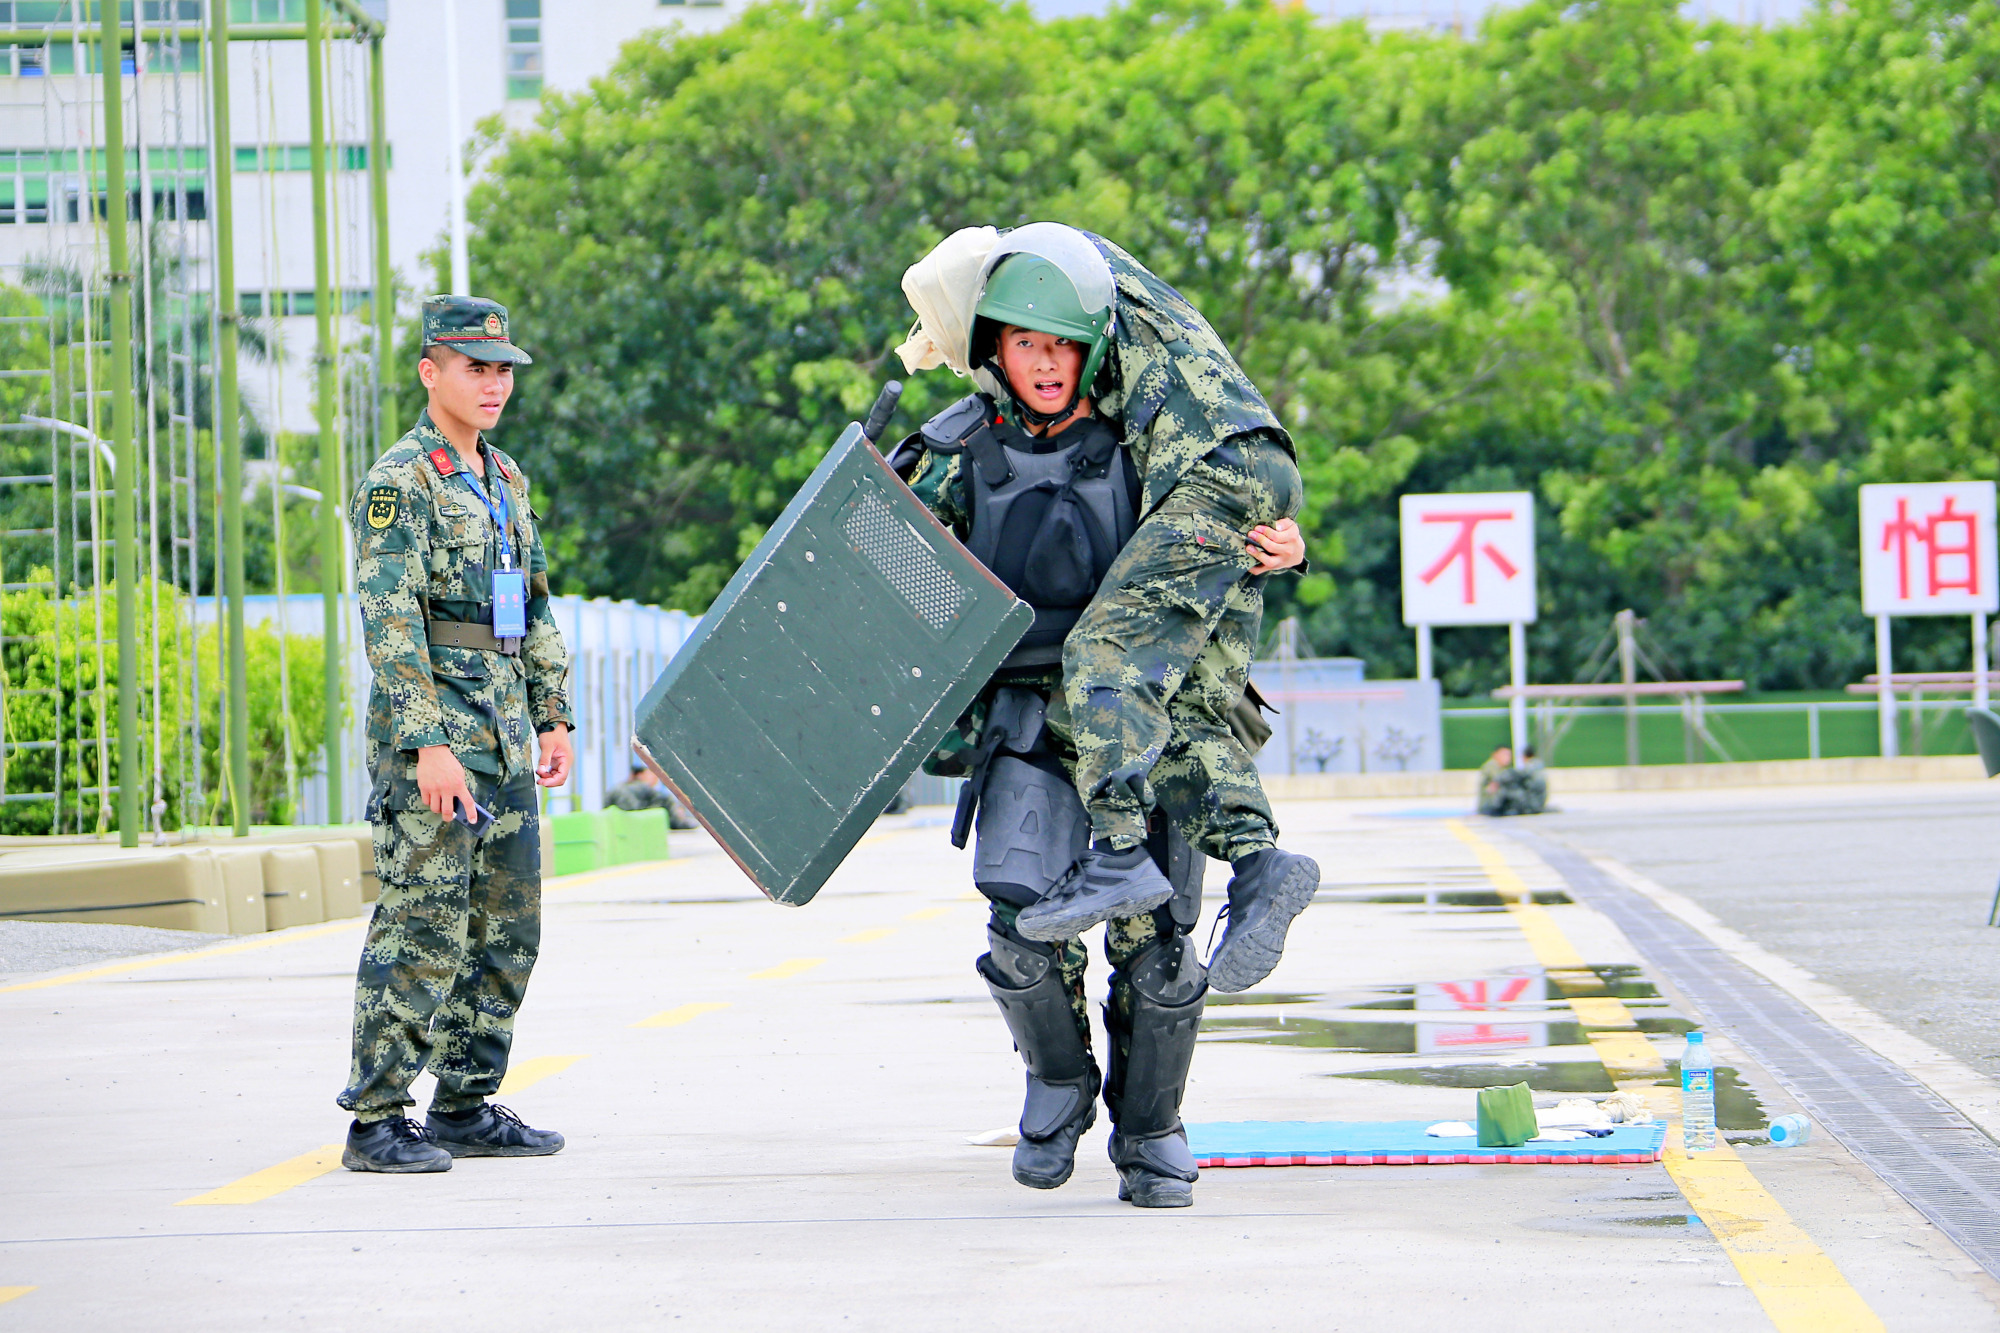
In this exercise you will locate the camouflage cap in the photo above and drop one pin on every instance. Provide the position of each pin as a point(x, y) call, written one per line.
point(472, 325)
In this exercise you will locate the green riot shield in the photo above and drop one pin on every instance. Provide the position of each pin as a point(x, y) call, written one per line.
point(833, 662)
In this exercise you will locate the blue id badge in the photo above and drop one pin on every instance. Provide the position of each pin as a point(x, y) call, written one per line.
point(510, 603)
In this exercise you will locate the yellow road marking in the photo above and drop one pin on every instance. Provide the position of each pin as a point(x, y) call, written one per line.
point(9, 1293)
point(928, 914)
point(1800, 1288)
point(142, 964)
point(586, 877)
point(868, 936)
point(679, 1014)
point(261, 1185)
point(1627, 1054)
point(1544, 936)
point(791, 967)
point(1601, 1011)
point(527, 1073)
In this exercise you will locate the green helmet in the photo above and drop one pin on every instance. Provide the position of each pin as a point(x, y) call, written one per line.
point(1052, 279)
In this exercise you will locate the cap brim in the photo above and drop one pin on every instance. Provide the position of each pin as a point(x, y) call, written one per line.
point(487, 349)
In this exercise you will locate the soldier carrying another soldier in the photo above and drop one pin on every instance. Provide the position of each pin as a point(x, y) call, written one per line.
point(469, 665)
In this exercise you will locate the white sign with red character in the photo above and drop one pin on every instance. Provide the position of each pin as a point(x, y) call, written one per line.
point(1928, 549)
point(1469, 559)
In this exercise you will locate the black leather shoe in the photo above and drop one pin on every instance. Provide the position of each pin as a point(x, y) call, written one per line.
point(1269, 889)
point(490, 1131)
point(398, 1147)
point(1100, 886)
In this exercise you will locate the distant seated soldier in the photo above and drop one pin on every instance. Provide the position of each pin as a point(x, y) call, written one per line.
point(641, 792)
point(1507, 788)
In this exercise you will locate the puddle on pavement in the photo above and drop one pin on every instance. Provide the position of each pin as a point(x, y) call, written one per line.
point(1571, 1076)
point(1479, 900)
point(1688, 1222)
point(1674, 1026)
point(1737, 1109)
point(1388, 1037)
point(1626, 981)
point(1216, 997)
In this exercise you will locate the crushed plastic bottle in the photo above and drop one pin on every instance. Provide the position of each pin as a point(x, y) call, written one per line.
point(1697, 1096)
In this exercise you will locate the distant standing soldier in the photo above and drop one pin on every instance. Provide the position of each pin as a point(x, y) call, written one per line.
point(468, 663)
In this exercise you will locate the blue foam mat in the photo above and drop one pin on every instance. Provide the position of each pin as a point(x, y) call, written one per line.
point(1400, 1143)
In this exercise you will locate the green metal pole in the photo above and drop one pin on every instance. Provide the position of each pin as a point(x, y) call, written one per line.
point(332, 558)
point(385, 279)
point(125, 487)
point(228, 410)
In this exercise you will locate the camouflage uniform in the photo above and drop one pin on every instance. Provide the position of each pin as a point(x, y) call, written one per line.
point(1163, 652)
point(456, 930)
point(1153, 670)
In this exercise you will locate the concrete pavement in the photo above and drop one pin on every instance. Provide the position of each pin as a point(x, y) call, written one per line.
point(768, 1112)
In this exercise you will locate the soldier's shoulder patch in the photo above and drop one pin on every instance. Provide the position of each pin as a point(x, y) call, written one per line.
point(383, 504)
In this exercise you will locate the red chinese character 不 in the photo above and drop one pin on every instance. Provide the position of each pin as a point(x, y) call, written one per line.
point(1461, 547)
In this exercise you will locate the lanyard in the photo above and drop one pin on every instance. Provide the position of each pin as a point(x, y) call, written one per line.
point(499, 512)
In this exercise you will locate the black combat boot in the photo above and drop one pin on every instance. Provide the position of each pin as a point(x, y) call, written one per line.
point(399, 1147)
point(1153, 1020)
point(1269, 889)
point(1102, 885)
point(490, 1131)
point(1062, 1078)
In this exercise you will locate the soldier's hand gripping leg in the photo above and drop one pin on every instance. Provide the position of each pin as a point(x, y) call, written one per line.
point(1062, 1078)
point(1153, 1017)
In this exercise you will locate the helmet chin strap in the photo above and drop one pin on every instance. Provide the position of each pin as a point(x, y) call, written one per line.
point(1039, 420)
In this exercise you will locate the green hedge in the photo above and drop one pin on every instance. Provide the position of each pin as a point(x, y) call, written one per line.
point(50, 656)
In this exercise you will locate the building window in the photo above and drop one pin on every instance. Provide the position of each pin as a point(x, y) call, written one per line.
point(298, 157)
point(524, 49)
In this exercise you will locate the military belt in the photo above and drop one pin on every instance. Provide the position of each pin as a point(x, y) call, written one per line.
point(460, 634)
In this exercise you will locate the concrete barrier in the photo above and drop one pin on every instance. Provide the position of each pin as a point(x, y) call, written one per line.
point(242, 872)
point(582, 842)
point(339, 878)
point(181, 891)
point(635, 835)
point(1463, 784)
point(291, 887)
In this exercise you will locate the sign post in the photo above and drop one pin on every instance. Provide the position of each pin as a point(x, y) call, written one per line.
point(1927, 549)
point(1470, 560)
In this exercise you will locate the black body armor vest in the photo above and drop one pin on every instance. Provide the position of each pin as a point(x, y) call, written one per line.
point(1048, 516)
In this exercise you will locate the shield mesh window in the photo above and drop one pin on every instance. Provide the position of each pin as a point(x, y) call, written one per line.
point(912, 569)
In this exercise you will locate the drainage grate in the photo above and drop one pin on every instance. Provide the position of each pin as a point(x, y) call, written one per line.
point(1909, 1136)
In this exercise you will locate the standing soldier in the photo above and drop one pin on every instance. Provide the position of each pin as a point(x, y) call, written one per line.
point(454, 593)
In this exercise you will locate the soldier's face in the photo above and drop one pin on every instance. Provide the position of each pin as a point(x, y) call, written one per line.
point(1042, 367)
point(475, 392)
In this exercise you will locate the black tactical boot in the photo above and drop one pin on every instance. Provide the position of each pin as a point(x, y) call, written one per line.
point(398, 1146)
point(1154, 1173)
point(1153, 1020)
point(1062, 1078)
point(1053, 1118)
point(1269, 889)
point(1102, 885)
point(490, 1131)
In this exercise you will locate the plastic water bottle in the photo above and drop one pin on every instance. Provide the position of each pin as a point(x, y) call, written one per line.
point(1697, 1096)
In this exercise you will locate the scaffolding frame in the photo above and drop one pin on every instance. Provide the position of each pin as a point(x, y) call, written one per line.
point(171, 434)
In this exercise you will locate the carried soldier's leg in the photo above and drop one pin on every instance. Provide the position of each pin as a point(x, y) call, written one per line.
point(1207, 781)
point(1030, 829)
point(414, 951)
point(474, 1030)
point(1158, 989)
point(1179, 585)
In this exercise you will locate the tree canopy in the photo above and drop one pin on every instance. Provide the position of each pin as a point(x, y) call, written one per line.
point(1690, 282)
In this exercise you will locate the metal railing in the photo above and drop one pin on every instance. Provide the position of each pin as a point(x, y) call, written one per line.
point(1551, 720)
